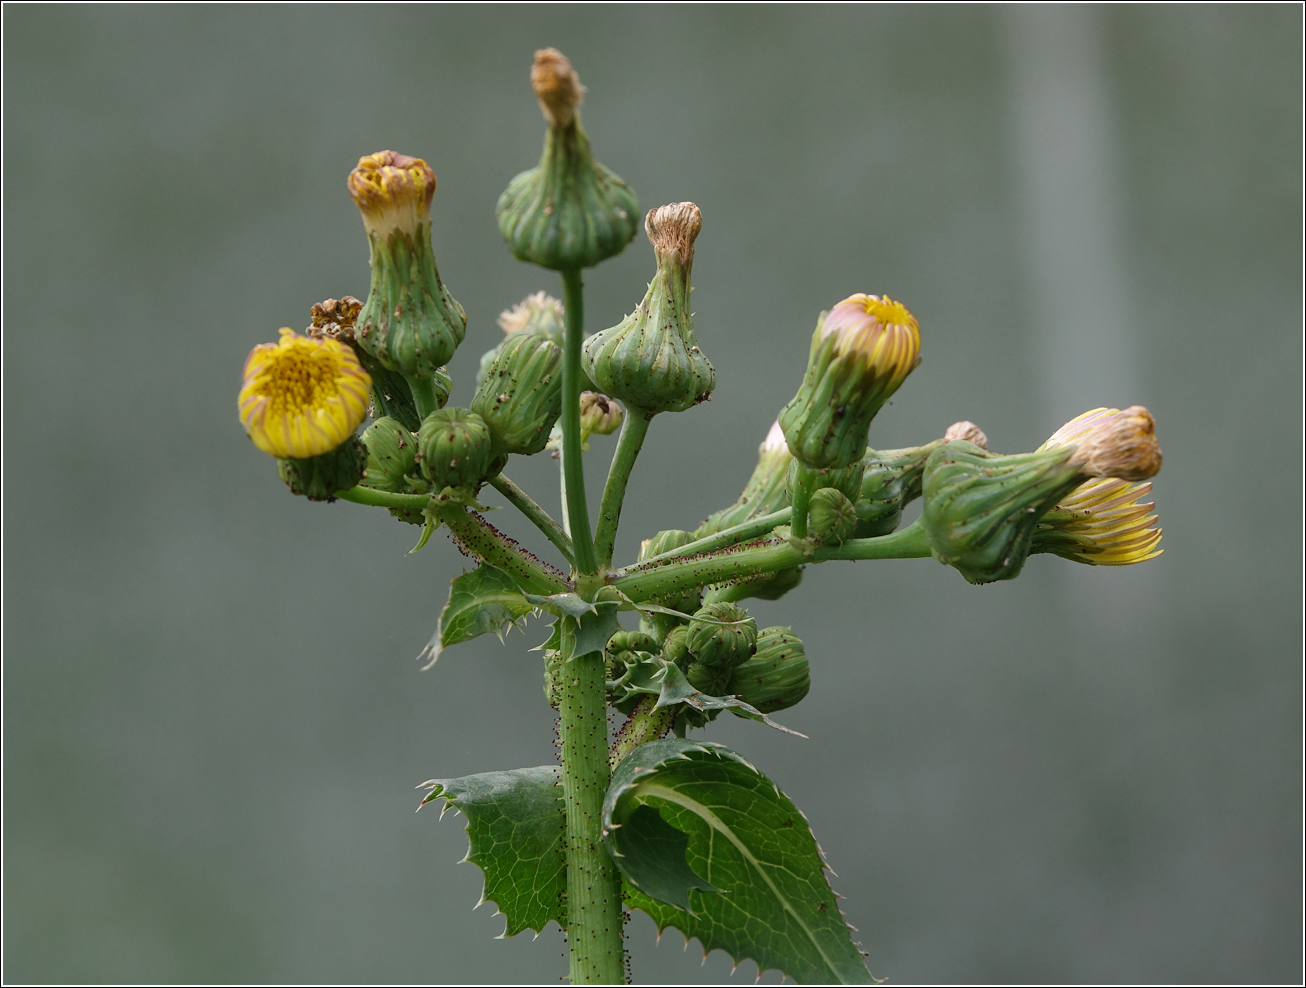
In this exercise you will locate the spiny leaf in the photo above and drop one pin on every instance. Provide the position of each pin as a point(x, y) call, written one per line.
point(484, 600)
point(675, 688)
point(747, 839)
point(516, 829)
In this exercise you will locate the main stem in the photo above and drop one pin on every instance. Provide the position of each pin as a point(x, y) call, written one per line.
point(633, 431)
point(573, 467)
point(594, 918)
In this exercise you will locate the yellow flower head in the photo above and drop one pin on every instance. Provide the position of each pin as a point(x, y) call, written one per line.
point(302, 397)
point(1101, 521)
point(879, 331)
point(393, 192)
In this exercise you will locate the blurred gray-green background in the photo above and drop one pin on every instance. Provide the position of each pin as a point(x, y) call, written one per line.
point(213, 721)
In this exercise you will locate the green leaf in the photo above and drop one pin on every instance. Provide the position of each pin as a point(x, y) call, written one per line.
point(516, 828)
point(675, 688)
point(590, 632)
point(747, 839)
point(484, 600)
point(562, 604)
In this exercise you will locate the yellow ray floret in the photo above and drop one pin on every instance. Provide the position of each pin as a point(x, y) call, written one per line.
point(1102, 523)
point(302, 397)
point(879, 331)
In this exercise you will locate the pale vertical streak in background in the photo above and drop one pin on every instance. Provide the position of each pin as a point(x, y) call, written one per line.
point(1069, 206)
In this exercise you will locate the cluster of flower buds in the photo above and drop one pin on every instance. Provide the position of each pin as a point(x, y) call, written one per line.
point(982, 510)
point(520, 394)
point(410, 324)
point(651, 360)
point(569, 212)
point(455, 448)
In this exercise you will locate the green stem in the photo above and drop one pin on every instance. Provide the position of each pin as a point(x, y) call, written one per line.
point(743, 532)
point(629, 443)
point(578, 515)
point(760, 559)
point(594, 919)
point(481, 539)
point(799, 497)
point(647, 722)
point(424, 398)
point(384, 499)
point(542, 520)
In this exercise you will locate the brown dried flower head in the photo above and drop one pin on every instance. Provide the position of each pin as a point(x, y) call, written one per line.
point(557, 86)
point(674, 228)
point(968, 431)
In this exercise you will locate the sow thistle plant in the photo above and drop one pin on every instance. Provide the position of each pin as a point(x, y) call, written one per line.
point(652, 818)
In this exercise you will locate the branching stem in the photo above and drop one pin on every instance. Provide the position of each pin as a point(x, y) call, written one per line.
point(542, 520)
point(633, 431)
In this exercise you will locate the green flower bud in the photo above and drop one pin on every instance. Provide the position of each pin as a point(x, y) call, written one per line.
point(981, 510)
point(777, 676)
point(862, 350)
point(674, 649)
point(891, 479)
point(454, 448)
point(520, 396)
point(724, 646)
point(712, 680)
point(318, 478)
point(663, 542)
point(651, 360)
point(847, 480)
point(568, 212)
point(410, 324)
point(599, 415)
point(830, 516)
point(391, 455)
point(767, 489)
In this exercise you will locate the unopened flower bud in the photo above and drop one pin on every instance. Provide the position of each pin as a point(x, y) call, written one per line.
point(847, 480)
point(302, 397)
point(410, 323)
point(967, 432)
point(725, 639)
point(520, 395)
point(891, 479)
point(651, 360)
point(777, 676)
point(454, 448)
point(830, 516)
point(981, 509)
point(766, 490)
point(391, 455)
point(862, 350)
point(568, 212)
point(599, 414)
point(1112, 443)
point(712, 680)
point(662, 542)
point(674, 649)
point(319, 478)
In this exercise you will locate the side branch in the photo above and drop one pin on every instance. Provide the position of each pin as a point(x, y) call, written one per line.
point(629, 444)
point(478, 538)
point(759, 559)
point(542, 520)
